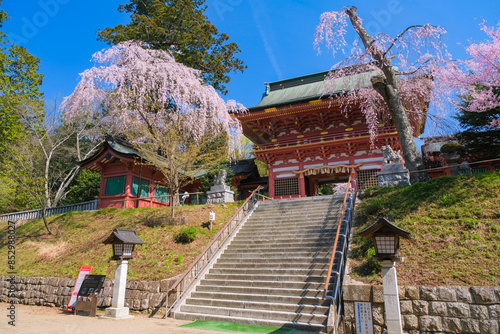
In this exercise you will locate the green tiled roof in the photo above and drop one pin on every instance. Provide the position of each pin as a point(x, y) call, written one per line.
point(121, 146)
point(310, 87)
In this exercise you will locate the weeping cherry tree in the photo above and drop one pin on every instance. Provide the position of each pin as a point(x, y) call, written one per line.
point(402, 68)
point(162, 107)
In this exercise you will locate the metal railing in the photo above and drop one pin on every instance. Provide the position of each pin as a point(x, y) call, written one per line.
point(197, 267)
point(264, 197)
point(464, 168)
point(338, 260)
point(32, 214)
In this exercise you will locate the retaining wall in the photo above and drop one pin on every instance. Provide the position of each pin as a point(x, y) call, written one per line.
point(431, 309)
point(141, 296)
point(425, 309)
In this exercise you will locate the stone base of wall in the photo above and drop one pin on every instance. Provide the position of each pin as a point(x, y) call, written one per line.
point(430, 309)
point(140, 296)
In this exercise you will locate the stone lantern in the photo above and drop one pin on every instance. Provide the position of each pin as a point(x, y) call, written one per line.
point(123, 242)
point(386, 238)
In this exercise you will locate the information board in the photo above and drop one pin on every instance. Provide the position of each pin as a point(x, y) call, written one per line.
point(91, 285)
point(84, 271)
point(364, 320)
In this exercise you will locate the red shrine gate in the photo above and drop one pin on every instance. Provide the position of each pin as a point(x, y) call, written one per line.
point(307, 141)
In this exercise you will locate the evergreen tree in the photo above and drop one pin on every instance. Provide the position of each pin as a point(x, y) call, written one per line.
point(181, 26)
point(19, 79)
point(479, 139)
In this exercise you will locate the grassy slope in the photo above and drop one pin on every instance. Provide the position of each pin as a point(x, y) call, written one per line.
point(77, 240)
point(454, 221)
point(455, 227)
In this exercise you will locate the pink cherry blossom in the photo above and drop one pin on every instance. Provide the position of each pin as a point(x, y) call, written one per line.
point(478, 78)
point(132, 86)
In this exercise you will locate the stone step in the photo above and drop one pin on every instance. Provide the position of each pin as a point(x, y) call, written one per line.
point(245, 244)
point(291, 261)
point(287, 232)
point(283, 217)
point(284, 227)
point(302, 201)
point(274, 270)
point(290, 242)
point(266, 278)
point(284, 235)
point(298, 210)
point(272, 266)
point(262, 291)
point(291, 221)
point(301, 225)
point(243, 304)
point(231, 270)
point(318, 319)
point(277, 255)
point(274, 299)
point(274, 248)
point(271, 242)
point(250, 321)
point(275, 284)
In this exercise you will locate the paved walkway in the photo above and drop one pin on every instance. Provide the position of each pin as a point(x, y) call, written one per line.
point(42, 320)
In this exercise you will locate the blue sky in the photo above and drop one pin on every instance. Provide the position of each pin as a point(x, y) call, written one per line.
point(276, 37)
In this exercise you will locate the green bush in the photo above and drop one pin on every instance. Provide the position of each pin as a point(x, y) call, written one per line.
point(186, 234)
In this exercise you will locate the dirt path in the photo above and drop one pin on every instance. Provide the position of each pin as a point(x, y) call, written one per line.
point(41, 320)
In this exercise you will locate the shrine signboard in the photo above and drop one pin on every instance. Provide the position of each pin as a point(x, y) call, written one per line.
point(364, 320)
point(84, 271)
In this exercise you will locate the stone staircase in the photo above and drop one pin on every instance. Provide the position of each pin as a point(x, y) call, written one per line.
point(273, 272)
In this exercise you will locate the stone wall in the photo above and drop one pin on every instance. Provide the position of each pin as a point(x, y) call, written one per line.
point(430, 309)
point(141, 296)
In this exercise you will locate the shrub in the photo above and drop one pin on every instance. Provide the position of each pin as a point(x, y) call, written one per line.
point(186, 234)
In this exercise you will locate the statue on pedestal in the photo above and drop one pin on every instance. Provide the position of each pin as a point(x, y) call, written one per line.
point(220, 192)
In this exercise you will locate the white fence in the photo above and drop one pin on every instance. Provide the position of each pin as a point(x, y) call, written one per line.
point(31, 214)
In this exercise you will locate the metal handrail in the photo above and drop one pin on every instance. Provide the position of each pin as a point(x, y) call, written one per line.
point(187, 275)
point(336, 239)
point(343, 221)
point(455, 165)
point(266, 198)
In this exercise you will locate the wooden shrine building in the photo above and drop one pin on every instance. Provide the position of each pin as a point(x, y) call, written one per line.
point(128, 181)
point(307, 141)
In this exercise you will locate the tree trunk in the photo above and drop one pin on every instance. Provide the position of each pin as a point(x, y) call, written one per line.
point(413, 159)
point(174, 201)
point(66, 182)
point(174, 190)
point(44, 217)
point(388, 87)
